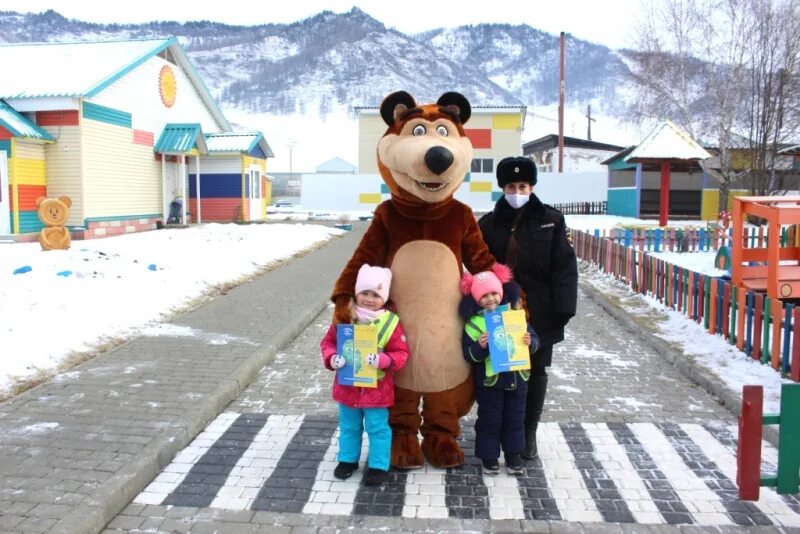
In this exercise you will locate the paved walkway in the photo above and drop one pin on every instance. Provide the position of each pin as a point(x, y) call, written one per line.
point(75, 450)
point(628, 444)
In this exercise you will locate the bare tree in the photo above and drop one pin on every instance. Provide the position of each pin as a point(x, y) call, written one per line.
point(696, 63)
point(772, 102)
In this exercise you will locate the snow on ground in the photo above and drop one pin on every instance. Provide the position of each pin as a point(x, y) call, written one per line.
point(105, 290)
point(699, 262)
point(588, 223)
point(731, 365)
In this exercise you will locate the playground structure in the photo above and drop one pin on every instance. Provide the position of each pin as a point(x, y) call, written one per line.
point(748, 454)
point(774, 270)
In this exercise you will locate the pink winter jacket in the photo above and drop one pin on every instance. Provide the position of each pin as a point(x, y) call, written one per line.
point(383, 395)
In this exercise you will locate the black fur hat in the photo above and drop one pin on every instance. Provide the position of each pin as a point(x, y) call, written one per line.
point(516, 169)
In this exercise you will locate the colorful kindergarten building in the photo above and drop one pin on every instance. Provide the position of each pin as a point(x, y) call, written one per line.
point(127, 129)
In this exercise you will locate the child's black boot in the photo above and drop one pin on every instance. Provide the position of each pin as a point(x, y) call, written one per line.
point(375, 477)
point(344, 470)
point(491, 467)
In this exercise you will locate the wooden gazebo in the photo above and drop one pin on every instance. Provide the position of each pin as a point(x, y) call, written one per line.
point(664, 145)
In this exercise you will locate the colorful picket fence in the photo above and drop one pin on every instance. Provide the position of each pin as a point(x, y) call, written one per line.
point(690, 239)
point(761, 327)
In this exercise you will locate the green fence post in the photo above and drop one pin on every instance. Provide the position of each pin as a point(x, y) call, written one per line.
point(789, 444)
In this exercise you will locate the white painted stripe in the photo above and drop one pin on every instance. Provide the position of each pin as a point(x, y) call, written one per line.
point(563, 478)
point(257, 463)
point(770, 502)
point(332, 496)
point(504, 499)
point(172, 476)
point(615, 461)
point(704, 504)
point(425, 489)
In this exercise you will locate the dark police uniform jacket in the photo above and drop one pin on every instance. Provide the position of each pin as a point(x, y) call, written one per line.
point(545, 266)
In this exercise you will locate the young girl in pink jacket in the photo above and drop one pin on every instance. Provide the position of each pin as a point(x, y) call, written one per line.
point(367, 408)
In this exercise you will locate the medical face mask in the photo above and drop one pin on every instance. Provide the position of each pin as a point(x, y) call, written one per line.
point(517, 201)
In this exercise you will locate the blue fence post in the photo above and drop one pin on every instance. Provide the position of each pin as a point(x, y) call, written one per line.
point(787, 336)
point(702, 244)
point(657, 243)
point(628, 237)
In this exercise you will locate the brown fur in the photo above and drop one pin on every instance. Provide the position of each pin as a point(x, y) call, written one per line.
point(424, 235)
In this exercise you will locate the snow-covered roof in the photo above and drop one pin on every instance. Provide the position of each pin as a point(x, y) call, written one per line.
point(19, 126)
point(667, 141)
point(237, 142)
point(790, 150)
point(336, 165)
point(83, 69)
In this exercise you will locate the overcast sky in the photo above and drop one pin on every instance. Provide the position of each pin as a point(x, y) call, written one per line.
point(599, 21)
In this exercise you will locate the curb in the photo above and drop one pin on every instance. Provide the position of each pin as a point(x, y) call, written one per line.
point(685, 363)
point(113, 496)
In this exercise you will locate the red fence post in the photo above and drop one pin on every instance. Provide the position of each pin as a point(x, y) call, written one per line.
point(748, 453)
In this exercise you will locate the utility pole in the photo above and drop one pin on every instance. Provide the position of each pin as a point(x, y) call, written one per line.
point(561, 92)
point(590, 120)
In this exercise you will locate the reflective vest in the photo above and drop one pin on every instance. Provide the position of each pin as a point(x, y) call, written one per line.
point(386, 324)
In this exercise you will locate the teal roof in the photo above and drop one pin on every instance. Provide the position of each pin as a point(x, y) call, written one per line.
point(237, 142)
point(181, 139)
point(19, 126)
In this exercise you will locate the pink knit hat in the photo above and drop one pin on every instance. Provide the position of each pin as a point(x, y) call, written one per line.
point(486, 282)
point(377, 279)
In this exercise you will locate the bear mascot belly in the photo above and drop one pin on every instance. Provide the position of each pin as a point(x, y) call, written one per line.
point(424, 236)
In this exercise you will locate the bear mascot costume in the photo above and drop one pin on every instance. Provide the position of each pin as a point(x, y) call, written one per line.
point(54, 212)
point(424, 236)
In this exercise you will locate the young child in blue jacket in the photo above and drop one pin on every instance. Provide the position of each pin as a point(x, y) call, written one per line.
point(501, 396)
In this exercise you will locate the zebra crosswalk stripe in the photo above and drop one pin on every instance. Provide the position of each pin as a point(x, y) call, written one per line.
point(741, 512)
point(704, 504)
point(769, 503)
point(627, 478)
point(257, 463)
point(566, 483)
point(172, 476)
point(656, 473)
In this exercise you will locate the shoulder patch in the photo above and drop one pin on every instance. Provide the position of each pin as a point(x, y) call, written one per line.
point(547, 225)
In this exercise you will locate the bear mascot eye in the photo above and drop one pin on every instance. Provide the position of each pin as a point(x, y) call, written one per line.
point(419, 130)
point(442, 130)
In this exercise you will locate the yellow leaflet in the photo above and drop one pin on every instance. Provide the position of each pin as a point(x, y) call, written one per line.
point(365, 341)
point(515, 326)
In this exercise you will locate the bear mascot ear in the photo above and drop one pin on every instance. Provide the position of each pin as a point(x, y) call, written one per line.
point(456, 103)
point(394, 105)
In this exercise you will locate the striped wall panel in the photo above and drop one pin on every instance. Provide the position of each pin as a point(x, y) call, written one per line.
point(217, 185)
point(141, 137)
point(29, 222)
point(27, 195)
point(216, 209)
point(67, 117)
point(108, 115)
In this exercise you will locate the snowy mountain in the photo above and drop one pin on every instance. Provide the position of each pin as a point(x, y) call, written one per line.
point(323, 66)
